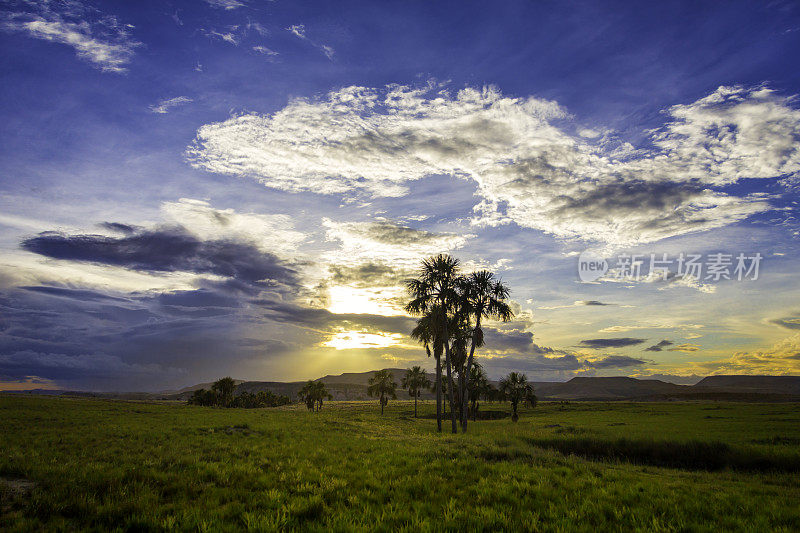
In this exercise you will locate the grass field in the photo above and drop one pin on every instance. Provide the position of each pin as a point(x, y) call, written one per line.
point(71, 464)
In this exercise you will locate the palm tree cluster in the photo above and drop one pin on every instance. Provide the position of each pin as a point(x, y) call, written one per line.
point(451, 307)
point(313, 393)
point(382, 386)
point(223, 394)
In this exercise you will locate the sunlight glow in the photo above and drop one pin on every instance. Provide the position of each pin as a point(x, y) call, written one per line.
point(373, 301)
point(348, 340)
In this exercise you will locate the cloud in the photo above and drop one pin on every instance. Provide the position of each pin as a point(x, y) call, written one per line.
point(167, 249)
point(164, 106)
point(264, 50)
point(621, 342)
point(617, 361)
point(517, 151)
point(686, 347)
point(577, 303)
point(660, 346)
point(788, 322)
point(225, 4)
point(783, 358)
point(299, 30)
point(95, 37)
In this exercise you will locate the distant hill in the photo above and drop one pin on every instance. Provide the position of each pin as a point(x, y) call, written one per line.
point(611, 388)
point(757, 384)
point(353, 386)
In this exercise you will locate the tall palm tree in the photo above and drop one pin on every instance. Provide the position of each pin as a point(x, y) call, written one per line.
point(429, 335)
point(383, 386)
point(415, 380)
point(434, 293)
point(482, 296)
point(515, 388)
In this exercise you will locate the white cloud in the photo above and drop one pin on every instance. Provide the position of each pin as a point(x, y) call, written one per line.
point(385, 242)
point(95, 37)
point(165, 105)
point(299, 30)
point(273, 233)
point(527, 168)
point(225, 4)
point(264, 50)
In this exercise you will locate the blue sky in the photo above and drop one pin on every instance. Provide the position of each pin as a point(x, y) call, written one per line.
point(275, 169)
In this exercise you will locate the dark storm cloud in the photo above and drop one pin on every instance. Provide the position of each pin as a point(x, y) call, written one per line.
point(166, 250)
point(611, 343)
point(789, 322)
point(75, 294)
point(120, 228)
point(617, 361)
point(660, 346)
point(590, 302)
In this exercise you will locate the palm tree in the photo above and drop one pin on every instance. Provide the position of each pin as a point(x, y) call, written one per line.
point(313, 393)
point(482, 296)
point(415, 380)
point(478, 387)
point(383, 386)
point(429, 335)
point(515, 388)
point(224, 388)
point(434, 294)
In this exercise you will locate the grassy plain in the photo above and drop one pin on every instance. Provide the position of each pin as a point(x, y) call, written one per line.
point(70, 464)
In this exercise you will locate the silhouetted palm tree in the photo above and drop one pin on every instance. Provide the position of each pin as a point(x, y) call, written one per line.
point(515, 388)
point(415, 380)
point(429, 335)
point(482, 296)
point(383, 386)
point(313, 393)
point(224, 388)
point(434, 294)
point(479, 387)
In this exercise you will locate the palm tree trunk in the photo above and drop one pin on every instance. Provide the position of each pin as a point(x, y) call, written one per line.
point(449, 376)
point(465, 395)
point(415, 403)
point(439, 392)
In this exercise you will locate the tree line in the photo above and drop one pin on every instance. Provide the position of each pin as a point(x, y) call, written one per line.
point(223, 394)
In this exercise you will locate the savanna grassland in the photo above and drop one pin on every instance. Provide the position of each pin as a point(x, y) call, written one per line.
point(70, 464)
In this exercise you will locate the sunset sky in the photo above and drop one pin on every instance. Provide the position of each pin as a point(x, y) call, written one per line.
point(190, 190)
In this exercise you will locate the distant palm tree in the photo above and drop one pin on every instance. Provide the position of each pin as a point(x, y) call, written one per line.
point(434, 295)
point(516, 389)
point(383, 386)
point(415, 380)
point(482, 296)
point(313, 393)
point(478, 386)
point(224, 388)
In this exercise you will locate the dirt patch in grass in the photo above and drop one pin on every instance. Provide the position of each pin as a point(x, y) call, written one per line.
point(12, 490)
point(689, 455)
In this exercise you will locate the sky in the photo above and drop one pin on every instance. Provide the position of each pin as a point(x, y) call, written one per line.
point(190, 190)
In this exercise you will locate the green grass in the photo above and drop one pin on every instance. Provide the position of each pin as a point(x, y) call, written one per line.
point(71, 464)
